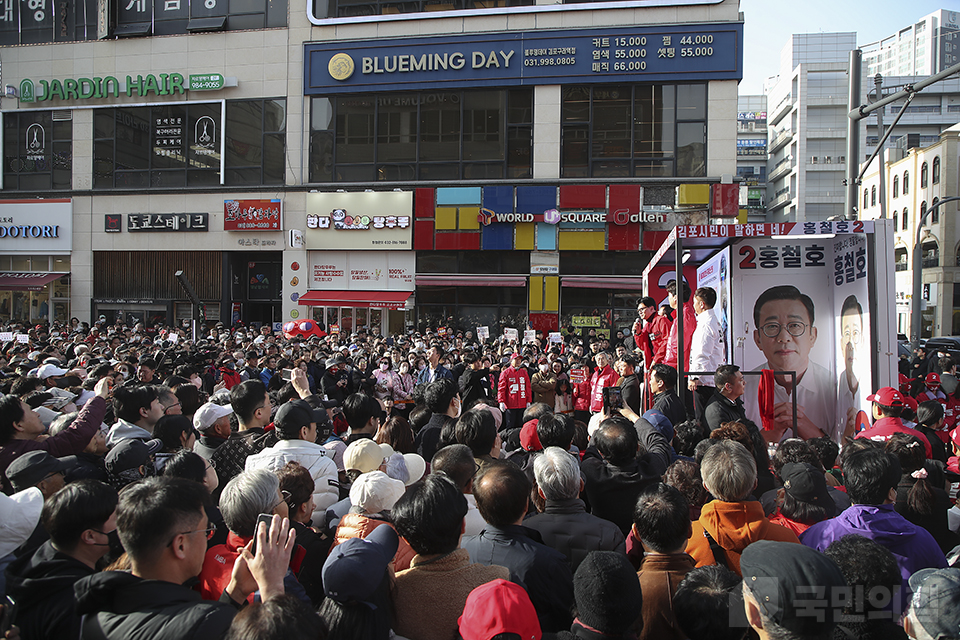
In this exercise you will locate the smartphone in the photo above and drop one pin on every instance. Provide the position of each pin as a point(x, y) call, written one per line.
point(9, 615)
point(612, 398)
point(266, 518)
point(286, 374)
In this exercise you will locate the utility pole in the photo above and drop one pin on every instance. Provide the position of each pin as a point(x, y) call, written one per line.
point(878, 83)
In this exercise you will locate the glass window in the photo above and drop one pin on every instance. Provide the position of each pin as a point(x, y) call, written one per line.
point(896, 186)
point(348, 8)
point(934, 211)
point(873, 196)
point(641, 130)
point(432, 135)
point(255, 142)
point(38, 151)
point(936, 170)
point(923, 175)
point(159, 146)
point(906, 182)
point(904, 222)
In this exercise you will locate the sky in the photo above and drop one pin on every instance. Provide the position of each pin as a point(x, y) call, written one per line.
point(768, 24)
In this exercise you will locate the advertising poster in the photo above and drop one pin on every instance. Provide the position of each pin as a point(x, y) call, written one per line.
point(370, 271)
point(252, 215)
point(787, 301)
point(715, 273)
point(851, 312)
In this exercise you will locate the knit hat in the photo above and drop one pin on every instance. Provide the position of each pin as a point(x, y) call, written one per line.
point(607, 592)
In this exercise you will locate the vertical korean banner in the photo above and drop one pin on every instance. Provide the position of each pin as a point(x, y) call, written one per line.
point(851, 312)
point(783, 319)
point(715, 273)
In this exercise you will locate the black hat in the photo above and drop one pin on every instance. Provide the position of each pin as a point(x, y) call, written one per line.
point(294, 415)
point(607, 592)
point(806, 483)
point(30, 468)
point(130, 453)
point(795, 586)
point(334, 361)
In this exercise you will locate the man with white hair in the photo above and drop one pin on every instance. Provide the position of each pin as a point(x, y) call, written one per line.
point(603, 376)
point(734, 520)
point(564, 523)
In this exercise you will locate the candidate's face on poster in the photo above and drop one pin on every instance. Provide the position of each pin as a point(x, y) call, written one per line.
point(785, 335)
point(851, 330)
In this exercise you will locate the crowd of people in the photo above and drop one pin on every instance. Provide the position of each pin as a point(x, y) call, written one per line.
point(434, 486)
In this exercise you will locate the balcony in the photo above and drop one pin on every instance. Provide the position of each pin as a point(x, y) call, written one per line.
point(783, 168)
point(902, 266)
point(782, 109)
point(779, 201)
point(929, 263)
point(780, 139)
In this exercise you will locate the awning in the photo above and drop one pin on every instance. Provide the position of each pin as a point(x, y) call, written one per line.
point(373, 299)
point(16, 281)
point(471, 281)
point(593, 282)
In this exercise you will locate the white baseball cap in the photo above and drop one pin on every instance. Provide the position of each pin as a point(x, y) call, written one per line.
point(208, 414)
point(19, 515)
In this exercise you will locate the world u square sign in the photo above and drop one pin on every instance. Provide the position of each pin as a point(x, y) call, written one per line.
point(673, 53)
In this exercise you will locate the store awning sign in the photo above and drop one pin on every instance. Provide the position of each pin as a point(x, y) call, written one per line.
point(252, 215)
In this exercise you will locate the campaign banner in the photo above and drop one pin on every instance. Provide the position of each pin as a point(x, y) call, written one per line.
point(793, 300)
point(483, 333)
point(555, 337)
point(578, 375)
point(715, 273)
point(511, 335)
point(529, 335)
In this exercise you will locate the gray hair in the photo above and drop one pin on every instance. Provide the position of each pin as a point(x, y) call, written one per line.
point(557, 474)
point(249, 494)
point(729, 471)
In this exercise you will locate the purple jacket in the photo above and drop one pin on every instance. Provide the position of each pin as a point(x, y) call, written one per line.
point(913, 547)
point(68, 442)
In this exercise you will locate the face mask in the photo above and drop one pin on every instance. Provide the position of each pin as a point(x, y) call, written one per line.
point(124, 374)
point(404, 369)
point(287, 351)
point(197, 382)
point(544, 368)
point(384, 366)
point(421, 367)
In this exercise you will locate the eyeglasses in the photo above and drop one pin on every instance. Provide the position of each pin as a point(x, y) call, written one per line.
point(210, 530)
point(773, 329)
point(852, 336)
point(171, 406)
point(285, 498)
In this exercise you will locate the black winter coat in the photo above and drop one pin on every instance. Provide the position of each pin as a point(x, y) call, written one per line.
point(42, 585)
point(566, 526)
point(120, 606)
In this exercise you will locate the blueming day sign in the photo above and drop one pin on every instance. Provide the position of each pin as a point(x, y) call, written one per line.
point(691, 52)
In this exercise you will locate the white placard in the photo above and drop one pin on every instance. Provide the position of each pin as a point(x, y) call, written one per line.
point(23, 338)
point(6, 336)
point(511, 335)
point(555, 337)
point(483, 333)
point(530, 335)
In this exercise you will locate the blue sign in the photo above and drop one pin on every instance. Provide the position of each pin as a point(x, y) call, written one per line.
point(674, 53)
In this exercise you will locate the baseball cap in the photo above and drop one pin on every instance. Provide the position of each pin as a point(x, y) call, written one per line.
point(130, 453)
point(910, 402)
point(375, 492)
point(529, 439)
point(932, 379)
point(955, 436)
point(936, 601)
point(48, 370)
point(887, 396)
point(499, 606)
point(294, 415)
point(30, 468)
point(806, 483)
point(364, 455)
point(19, 515)
point(794, 585)
point(660, 422)
point(356, 567)
point(208, 414)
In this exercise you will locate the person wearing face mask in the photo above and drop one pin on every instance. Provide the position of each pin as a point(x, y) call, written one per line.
point(387, 379)
point(228, 372)
point(81, 519)
point(403, 391)
point(544, 383)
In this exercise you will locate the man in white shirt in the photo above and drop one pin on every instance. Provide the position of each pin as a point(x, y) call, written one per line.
point(706, 350)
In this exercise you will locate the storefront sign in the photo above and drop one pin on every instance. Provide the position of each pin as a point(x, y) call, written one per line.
point(367, 271)
point(166, 222)
point(161, 84)
point(250, 215)
point(356, 221)
point(123, 301)
point(32, 226)
point(586, 321)
point(752, 116)
point(696, 52)
point(544, 262)
point(552, 216)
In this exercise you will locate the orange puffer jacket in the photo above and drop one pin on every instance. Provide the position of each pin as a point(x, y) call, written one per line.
point(356, 525)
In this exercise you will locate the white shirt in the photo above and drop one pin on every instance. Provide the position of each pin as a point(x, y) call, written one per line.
point(816, 393)
point(706, 348)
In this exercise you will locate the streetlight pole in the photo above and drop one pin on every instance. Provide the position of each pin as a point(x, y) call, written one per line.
point(917, 266)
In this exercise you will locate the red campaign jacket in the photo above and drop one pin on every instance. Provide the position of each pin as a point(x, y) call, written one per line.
point(513, 389)
point(581, 395)
point(601, 378)
point(659, 331)
point(689, 326)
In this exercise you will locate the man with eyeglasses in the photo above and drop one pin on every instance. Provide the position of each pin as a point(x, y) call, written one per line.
point(785, 332)
point(82, 522)
point(164, 529)
point(848, 385)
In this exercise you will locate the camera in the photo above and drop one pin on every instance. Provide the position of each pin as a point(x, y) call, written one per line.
point(612, 398)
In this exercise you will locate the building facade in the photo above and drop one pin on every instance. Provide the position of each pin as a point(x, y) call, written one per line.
point(752, 156)
point(380, 164)
point(924, 48)
point(806, 128)
point(915, 180)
